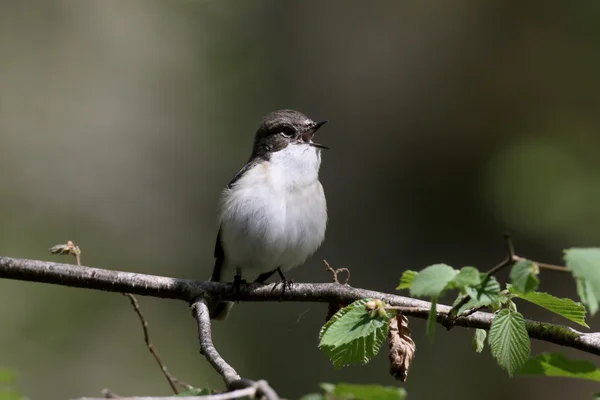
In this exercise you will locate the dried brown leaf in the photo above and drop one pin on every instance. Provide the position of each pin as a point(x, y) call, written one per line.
point(68, 248)
point(402, 347)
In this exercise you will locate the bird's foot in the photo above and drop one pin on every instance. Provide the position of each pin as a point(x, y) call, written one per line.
point(286, 283)
point(237, 284)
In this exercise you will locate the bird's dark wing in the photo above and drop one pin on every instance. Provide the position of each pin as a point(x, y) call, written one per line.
point(219, 258)
point(241, 172)
point(219, 252)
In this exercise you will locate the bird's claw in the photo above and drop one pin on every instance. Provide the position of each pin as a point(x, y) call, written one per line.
point(286, 283)
point(237, 284)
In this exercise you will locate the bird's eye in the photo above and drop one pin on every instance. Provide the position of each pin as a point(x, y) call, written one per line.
point(287, 131)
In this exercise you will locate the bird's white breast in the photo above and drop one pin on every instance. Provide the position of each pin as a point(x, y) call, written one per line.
point(275, 215)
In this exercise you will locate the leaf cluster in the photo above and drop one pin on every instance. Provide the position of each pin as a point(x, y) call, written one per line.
point(356, 333)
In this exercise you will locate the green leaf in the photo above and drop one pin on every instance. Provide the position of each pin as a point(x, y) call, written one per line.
point(348, 391)
point(523, 276)
point(486, 293)
point(556, 364)
point(468, 276)
point(585, 265)
point(194, 392)
point(11, 394)
point(432, 318)
point(351, 336)
point(586, 294)
point(7, 377)
point(564, 307)
point(509, 341)
point(432, 281)
point(406, 280)
point(312, 396)
point(479, 340)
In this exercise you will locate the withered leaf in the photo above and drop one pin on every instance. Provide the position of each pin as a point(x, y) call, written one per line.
point(402, 347)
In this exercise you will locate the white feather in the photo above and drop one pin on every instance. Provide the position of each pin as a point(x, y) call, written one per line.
point(275, 215)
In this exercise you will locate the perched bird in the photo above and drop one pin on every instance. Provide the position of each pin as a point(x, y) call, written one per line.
point(273, 213)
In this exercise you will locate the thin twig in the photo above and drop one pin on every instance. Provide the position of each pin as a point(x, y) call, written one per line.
point(250, 391)
point(72, 249)
point(335, 272)
point(550, 267)
point(406, 310)
point(149, 345)
point(472, 311)
point(510, 260)
point(188, 290)
point(207, 348)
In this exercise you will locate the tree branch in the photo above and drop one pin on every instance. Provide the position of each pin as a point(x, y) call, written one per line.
point(234, 383)
point(188, 290)
point(149, 345)
point(250, 391)
point(207, 349)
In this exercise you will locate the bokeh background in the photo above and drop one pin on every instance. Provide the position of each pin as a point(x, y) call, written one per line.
point(121, 122)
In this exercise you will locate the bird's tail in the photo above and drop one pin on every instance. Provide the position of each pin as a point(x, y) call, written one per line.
point(218, 310)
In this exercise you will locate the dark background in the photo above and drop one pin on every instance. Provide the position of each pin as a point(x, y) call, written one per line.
point(121, 122)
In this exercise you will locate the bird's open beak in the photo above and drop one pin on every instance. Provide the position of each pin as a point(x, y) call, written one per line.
point(308, 135)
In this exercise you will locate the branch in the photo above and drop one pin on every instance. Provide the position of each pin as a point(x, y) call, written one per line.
point(250, 391)
point(510, 260)
point(232, 379)
point(207, 349)
point(188, 290)
point(149, 345)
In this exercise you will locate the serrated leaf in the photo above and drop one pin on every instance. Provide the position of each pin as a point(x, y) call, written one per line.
point(406, 280)
point(479, 340)
point(432, 318)
point(431, 281)
point(564, 307)
point(585, 265)
point(502, 299)
point(509, 341)
point(348, 391)
point(351, 336)
point(556, 364)
point(467, 276)
point(587, 295)
point(523, 276)
point(488, 292)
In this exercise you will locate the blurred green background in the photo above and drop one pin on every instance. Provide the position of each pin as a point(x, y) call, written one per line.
point(121, 122)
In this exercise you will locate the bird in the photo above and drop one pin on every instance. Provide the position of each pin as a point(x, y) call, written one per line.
point(273, 213)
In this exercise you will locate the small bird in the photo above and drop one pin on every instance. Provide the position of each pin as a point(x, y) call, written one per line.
point(273, 213)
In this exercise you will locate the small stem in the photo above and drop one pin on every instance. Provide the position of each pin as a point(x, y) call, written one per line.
point(136, 307)
point(549, 267)
point(510, 260)
point(149, 345)
point(405, 309)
